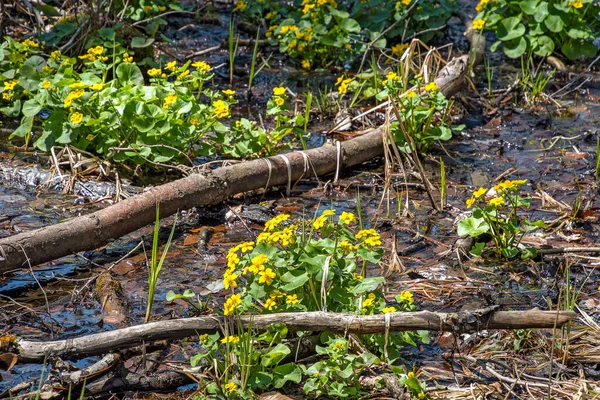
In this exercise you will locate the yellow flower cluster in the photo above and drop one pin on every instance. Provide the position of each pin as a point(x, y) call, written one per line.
point(183, 75)
point(391, 77)
point(240, 6)
point(127, 58)
point(398, 49)
point(231, 304)
point(30, 43)
point(278, 93)
point(286, 236)
point(400, 3)
point(229, 93)
point(305, 64)
point(10, 85)
point(388, 310)
point(369, 301)
point(154, 72)
point(97, 86)
point(201, 66)
point(171, 66)
point(478, 24)
point(481, 5)
point(73, 96)
point(170, 99)
point(230, 339)
point(292, 299)
point(273, 223)
point(347, 247)
point(221, 109)
point(576, 4)
point(94, 53)
point(411, 94)
point(229, 279)
point(370, 236)
point(509, 185)
point(476, 195)
point(46, 84)
point(55, 55)
point(431, 87)
point(76, 118)
point(407, 297)
point(230, 387)
point(257, 264)
point(347, 218)
point(342, 84)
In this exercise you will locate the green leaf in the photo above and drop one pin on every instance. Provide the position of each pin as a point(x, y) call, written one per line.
point(545, 46)
point(477, 248)
point(510, 252)
point(140, 42)
point(472, 227)
point(367, 285)
point(260, 380)
point(294, 279)
point(24, 129)
point(275, 355)
point(515, 48)
point(554, 23)
point(541, 12)
point(510, 28)
point(529, 6)
point(129, 75)
point(528, 253)
point(31, 108)
point(350, 25)
point(289, 372)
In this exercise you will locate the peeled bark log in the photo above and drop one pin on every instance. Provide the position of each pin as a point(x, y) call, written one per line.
point(100, 343)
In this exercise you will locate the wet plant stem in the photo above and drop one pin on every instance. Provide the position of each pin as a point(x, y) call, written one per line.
point(232, 48)
point(253, 63)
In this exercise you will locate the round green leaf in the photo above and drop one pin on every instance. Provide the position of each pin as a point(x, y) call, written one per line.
point(554, 23)
point(529, 6)
point(515, 48)
point(541, 12)
point(545, 46)
point(510, 28)
point(129, 74)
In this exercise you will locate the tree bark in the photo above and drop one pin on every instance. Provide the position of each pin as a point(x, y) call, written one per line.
point(100, 343)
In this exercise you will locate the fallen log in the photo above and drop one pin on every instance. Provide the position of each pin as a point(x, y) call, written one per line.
point(465, 321)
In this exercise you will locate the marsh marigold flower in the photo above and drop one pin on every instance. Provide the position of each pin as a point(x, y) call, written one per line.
point(292, 299)
point(431, 87)
point(407, 297)
point(201, 66)
point(388, 310)
point(347, 218)
point(153, 72)
point(266, 276)
point(171, 66)
point(279, 101)
point(76, 118)
point(269, 304)
point(230, 339)
point(221, 109)
point(46, 84)
point(497, 202)
point(230, 387)
point(279, 91)
point(478, 24)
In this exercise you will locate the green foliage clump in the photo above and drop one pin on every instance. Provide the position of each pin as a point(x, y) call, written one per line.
point(103, 103)
point(299, 266)
point(542, 26)
point(496, 214)
point(320, 33)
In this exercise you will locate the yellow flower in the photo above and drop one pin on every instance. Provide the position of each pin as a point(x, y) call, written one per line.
point(279, 101)
point(203, 338)
point(127, 58)
point(229, 92)
point(398, 50)
point(497, 202)
point(231, 304)
point(7, 95)
point(240, 6)
point(30, 43)
point(406, 2)
point(479, 192)
point(97, 86)
point(305, 63)
point(368, 303)
point(221, 109)
point(328, 213)
point(171, 66)
point(339, 345)
point(431, 87)
point(356, 276)
point(478, 24)
point(232, 260)
point(347, 218)
point(373, 241)
point(77, 85)
point(470, 202)
point(292, 44)
point(246, 247)
point(182, 75)
point(98, 50)
point(407, 297)
point(72, 96)
point(388, 310)
point(10, 85)
point(201, 66)
point(259, 260)
point(363, 233)
point(170, 99)
point(230, 339)
point(266, 276)
point(319, 222)
point(279, 91)
point(576, 4)
point(229, 280)
point(481, 5)
point(76, 118)
point(231, 386)
point(392, 76)
point(269, 304)
point(292, 299)
point(161, 8)
point(410, 374)
point(154, 72)
point(46, 84)
point(307, 8)
point(55, 55)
